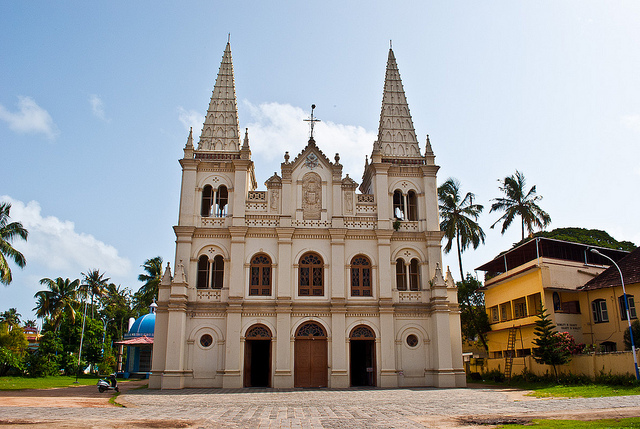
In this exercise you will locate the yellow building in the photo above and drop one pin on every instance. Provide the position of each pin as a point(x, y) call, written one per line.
point(606, 322)
point(542, 272)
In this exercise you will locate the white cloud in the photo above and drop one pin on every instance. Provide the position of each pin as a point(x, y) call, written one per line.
point(31, 118)
point(190, 118)
point(97, 107)
point(631, 121)
point(276, 128)
point(56, 245)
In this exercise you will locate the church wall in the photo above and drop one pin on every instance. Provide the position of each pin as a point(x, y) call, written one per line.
point(310, 207)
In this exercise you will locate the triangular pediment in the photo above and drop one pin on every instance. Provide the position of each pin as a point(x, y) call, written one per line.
point(312, 158)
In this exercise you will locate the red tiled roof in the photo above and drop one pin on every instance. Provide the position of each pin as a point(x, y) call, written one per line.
point(630, 267)
point(138, 341)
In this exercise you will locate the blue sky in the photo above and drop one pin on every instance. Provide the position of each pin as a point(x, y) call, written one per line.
point(96, 100)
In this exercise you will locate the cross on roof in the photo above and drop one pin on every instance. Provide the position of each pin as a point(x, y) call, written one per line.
point(312, 120)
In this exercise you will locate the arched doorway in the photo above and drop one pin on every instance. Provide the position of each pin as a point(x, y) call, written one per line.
point(310, 361)
point(362, 348)
point(257, 357)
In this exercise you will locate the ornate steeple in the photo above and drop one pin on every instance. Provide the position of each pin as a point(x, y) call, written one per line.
point(220, 131)
point(396, 135)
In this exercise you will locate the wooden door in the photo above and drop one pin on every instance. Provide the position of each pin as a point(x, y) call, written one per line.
point(311, 363)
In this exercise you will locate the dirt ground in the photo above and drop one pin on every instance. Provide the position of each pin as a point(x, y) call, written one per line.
point(65, 397)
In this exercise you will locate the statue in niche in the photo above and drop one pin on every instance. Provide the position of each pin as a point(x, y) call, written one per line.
point(275, 197)
point(348, 201)
point(311, 196)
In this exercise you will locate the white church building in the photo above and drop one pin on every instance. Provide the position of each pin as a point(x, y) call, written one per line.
point(316, 281)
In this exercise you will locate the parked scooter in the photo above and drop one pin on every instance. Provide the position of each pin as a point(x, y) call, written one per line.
point(112, 384)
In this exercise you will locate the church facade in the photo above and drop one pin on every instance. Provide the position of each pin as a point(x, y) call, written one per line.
point(316, 281)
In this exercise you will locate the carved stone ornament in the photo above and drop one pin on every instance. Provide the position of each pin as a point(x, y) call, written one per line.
point(312, 161)
point(311, 196)
point(275, 199)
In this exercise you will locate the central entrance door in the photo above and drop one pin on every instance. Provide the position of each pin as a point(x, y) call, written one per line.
point(310, 361)
point(362, 347)
point(257, 357)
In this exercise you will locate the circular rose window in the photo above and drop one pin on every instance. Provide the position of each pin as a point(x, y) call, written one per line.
point(206, 340)
point(412, 341)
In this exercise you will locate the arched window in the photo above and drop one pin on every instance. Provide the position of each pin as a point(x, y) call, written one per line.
point(311, 275)
point(207, 201)
point(360, 276)
point(414, 275)
point(398, 205)
point(258, 331)
point(557, 305)
point(218, 272)
point(203, 272)
point(310, 329)
point(260, 277)
point(412, 206)
point(401, 278)
point(210, 273)
point(222, 200)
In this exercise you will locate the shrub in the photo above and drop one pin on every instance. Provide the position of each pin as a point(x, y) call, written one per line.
point(10, 362)
point(41, 364)
point(616, 379)
point(493, 375)
point(475, 376)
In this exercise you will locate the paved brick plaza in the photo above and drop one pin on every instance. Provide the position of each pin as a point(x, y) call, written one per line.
point(353, 408)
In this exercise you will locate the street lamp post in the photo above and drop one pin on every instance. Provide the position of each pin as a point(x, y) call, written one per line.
point(84, 318)
point(626, 306)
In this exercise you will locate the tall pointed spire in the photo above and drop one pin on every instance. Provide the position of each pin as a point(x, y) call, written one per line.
point(220, 131)
point(396, 135)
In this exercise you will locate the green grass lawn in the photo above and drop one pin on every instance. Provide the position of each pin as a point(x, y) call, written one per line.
point(633, 422)
point(18, 383)
point(587, 391)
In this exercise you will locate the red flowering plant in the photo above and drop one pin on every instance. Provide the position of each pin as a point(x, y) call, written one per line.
point(567, 344)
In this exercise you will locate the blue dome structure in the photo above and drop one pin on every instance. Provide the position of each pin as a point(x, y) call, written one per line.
point(144, 325)
point(139, 342)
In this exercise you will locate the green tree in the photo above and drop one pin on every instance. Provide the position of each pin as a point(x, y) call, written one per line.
point(635, 327)
point(459, 216)
point(519, 202)
point(116, 310)
point(60, 299)
point(31, 323)
point(95, 283)
point(548, 350)
point(8, 232)
point(13, 339)
point(473, 316)
point(148, 292)
point(10, 362)
point(11, 317)
point(593, 237)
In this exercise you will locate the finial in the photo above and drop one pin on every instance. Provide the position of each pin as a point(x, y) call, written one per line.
point(337, 158)
point(229, 38)
point(286, 157)
point(312, 121)
point(390, 44)
point(366, 160)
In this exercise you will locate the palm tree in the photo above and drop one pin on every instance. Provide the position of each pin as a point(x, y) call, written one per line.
point(9, 231)
point(518, 202)
point(58, 301)
point(95, 284)
point(149, 290)
point(11, 317)
point(459, 217)
point(116, 307)
point(31, 323)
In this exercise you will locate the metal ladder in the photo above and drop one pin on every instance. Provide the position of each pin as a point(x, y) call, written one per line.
point(510, 353)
